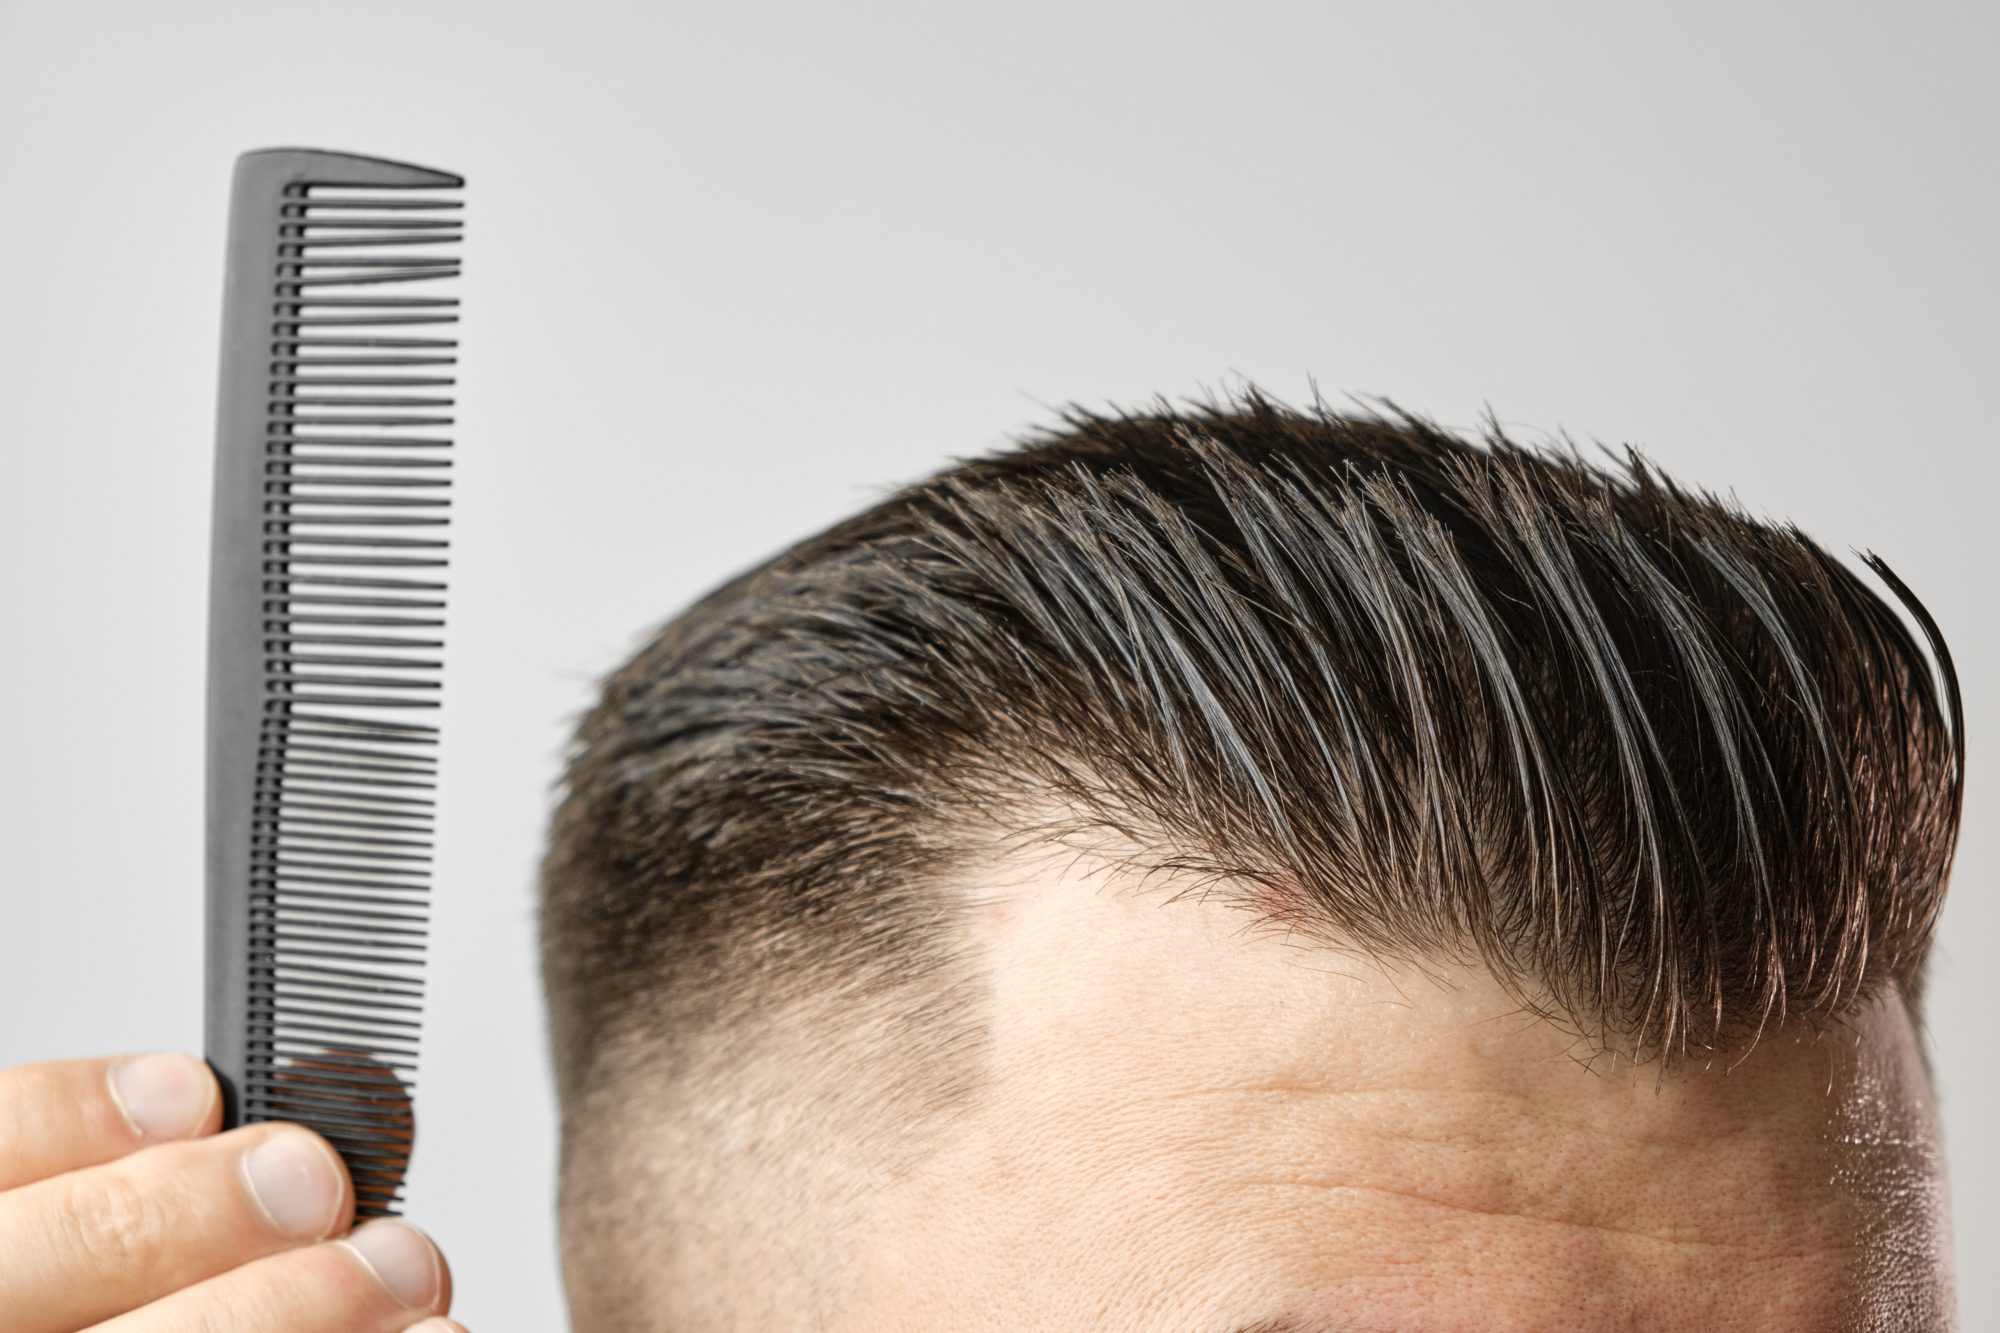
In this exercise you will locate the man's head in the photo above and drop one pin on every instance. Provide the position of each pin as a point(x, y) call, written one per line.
point(1251, 868)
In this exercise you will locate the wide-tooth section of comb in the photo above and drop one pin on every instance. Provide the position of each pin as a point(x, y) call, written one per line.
point(333, 502)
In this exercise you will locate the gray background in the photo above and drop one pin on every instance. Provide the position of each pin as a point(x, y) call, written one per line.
point(735, 270)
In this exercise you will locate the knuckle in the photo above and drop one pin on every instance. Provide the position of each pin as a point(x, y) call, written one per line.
point(118, 1223)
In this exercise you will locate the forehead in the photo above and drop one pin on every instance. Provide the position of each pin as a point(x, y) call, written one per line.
point(1188, 1128)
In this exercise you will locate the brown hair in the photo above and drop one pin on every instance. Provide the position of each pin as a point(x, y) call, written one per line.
point(1674, 773)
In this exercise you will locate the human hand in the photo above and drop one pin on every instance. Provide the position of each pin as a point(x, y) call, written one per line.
point(123, 1211)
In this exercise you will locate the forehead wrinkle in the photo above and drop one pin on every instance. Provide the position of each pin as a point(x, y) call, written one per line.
point(1527, 1111)
point(1518, 1215)
point(1317, 1323)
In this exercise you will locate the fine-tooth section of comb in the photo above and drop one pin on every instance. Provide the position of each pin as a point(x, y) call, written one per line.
point(326, 619)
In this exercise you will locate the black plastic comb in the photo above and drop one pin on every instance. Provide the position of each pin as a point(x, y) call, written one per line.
point(326, 621)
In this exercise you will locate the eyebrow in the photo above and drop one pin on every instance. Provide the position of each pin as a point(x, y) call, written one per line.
point(1291, 1323)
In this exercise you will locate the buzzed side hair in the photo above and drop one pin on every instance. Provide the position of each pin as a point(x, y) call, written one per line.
point(1677, 775)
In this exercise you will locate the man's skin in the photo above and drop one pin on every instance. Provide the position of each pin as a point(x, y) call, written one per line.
point(122, 1209)
point(1197, 1129)
point(1188, 1127)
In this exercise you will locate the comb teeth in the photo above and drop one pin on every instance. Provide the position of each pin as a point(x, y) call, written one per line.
point(352, 507)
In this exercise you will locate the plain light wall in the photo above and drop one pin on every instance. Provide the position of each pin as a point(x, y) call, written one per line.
point(735, 270)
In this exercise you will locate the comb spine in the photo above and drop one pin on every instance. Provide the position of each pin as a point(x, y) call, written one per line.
point(235, 673)
point(239, 599)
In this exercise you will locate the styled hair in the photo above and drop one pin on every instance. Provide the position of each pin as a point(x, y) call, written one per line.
point(1675, 774)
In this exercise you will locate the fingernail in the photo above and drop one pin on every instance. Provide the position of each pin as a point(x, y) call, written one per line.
point(296, 1182)
point(432, 1326)
point(401, 1257)
point(163, 1096)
